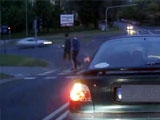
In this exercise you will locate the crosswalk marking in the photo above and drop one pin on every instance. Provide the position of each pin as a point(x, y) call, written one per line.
point(51, 77)
point(62, 73)
point(48, 72)
point(71, 77)
point(29, 78)
point(150, 32)
point(137, 32)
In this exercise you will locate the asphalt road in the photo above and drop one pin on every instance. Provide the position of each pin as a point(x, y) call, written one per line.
point(36, 98)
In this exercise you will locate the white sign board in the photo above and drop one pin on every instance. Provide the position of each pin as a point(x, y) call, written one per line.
point(67, 20)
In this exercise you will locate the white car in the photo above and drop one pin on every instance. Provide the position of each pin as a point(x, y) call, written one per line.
point(33, 42)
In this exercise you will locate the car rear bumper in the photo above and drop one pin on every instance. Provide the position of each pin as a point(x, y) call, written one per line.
point(113, 116)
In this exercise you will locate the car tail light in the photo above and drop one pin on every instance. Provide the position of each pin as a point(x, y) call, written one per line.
point(80, 92)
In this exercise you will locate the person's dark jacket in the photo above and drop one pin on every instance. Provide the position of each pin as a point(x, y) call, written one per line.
point(75, 44)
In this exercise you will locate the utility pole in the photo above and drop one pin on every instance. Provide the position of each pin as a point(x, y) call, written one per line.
point(26, 18)
point(0, 25)
point(118, 6)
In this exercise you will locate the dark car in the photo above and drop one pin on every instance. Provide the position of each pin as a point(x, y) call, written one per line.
point(122, 82)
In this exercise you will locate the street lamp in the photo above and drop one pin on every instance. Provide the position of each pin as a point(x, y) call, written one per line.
point(118, 6)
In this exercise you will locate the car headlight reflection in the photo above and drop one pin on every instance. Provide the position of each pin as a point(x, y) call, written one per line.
point(131, 32)
point(129, 27)
point(47, 42)
point(118, 94)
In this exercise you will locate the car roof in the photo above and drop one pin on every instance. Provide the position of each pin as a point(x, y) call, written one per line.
point(140, 37)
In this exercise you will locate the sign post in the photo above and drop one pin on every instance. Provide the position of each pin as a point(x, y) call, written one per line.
point(0, 26)
point(35, 29)
point(4, 32)
point(9, 32)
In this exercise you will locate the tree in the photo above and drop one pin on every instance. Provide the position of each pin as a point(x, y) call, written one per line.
point(43, 10)
point(88, 11)
point(57, 11)
point(13, 14)
point(147, 11)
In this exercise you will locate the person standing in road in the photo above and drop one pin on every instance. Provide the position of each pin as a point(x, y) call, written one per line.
point(67, 49)
point(75, 51)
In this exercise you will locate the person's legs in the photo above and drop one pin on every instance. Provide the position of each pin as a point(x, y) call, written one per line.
point(78, 61)
point(64, 59)
point(74, 57)
point(69, 57)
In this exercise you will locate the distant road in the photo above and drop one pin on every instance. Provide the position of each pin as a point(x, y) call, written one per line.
point(139, 30)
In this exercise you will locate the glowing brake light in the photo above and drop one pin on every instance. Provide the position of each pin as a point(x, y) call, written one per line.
point(80, 92)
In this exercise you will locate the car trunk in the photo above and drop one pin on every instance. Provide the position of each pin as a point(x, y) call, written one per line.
point(139, 92)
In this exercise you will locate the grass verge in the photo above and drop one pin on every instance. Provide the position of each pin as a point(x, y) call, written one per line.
point(17, 60)
point(5, 76)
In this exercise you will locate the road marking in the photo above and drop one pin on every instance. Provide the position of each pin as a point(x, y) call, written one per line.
point(50, 77)
point(48, 72)
point(64, 115)
point(157, 30)
point(71, 77)
point(17, 74)
point(29, 78)
point(150, 32)
point(62, 73)
point(53, 114)
point(0, 114)
point(137, 32)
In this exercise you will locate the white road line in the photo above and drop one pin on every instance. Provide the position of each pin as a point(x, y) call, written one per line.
point(150, 32)
point(71, 77)
point(156, 30)
point(0, 114)
point(30, 78)
point(17, 74)
point(64, 115)
point(137, 32)
point(48, 72)
point(53, 114)
point(62, 73)
point(50, 77)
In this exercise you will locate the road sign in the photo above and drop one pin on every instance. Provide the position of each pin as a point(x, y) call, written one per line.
point(4, 29)
point(67, 20)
